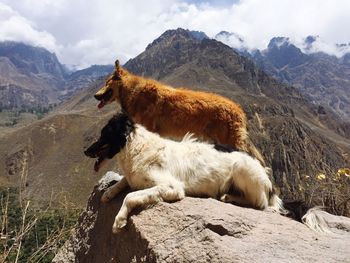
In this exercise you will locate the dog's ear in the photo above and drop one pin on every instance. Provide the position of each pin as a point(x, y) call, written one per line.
point(117, 71)
point(130, 126)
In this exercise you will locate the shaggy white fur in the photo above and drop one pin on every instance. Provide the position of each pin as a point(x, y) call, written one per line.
point(164, 170)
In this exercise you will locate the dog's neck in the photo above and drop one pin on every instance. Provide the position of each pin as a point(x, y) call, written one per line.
point(139, 141)
point(129, 86)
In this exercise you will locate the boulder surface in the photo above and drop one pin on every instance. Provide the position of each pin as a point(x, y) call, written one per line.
point(199, 230)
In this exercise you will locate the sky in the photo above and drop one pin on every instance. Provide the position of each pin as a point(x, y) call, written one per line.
point(86, 32)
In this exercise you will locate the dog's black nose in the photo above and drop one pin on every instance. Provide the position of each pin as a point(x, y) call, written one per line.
point(89, 153)
point(106, 96)
point(86, 153)
point(98, 96)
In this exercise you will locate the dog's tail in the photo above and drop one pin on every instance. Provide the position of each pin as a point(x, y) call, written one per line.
point(314, 220)
point(276, 203)
point(311, 217)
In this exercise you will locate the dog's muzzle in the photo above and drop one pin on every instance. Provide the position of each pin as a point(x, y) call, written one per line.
point(104, 98)
point(99, 151)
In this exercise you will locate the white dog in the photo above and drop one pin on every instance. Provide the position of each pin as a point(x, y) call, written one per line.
point(164, 170)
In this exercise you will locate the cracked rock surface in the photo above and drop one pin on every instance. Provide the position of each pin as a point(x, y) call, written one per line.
point(200, 230)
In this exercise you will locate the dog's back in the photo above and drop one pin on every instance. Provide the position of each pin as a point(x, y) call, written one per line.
point(201, 169)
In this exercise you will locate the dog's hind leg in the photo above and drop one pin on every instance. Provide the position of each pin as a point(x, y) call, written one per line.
point(144, 198)
point(234, 199)
point(114, 190)
point(253, 199)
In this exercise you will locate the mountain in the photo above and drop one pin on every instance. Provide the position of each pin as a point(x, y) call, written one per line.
point(29, 76)
point(81, 79)
point(281, 53)
point(33, 82)
point(321, 78)
point(32, 77)
point(290, 132)
point(232, 40)
point(30, 60)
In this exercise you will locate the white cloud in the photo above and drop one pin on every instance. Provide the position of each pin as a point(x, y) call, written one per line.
point(259, 21)
point(98, 31)
point(17, 28)
point(231, 39)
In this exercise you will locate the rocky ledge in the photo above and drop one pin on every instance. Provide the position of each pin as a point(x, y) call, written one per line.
point(199, 230)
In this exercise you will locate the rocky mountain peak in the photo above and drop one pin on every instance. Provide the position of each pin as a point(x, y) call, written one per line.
point(223, 34)
point(32, 60)
point(232, 39)
point(281, 52)
point(32, 77)
point(175, 48)
point(309, 43)
point(310, 39)
point(278, 42)
point(322, 78)
point(199, 35)
point(178, 34)
point(346, 59)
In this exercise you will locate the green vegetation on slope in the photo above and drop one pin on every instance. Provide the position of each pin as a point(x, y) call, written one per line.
point(331, 191)
point(31, 234)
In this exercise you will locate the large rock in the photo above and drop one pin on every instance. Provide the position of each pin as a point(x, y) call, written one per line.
point(200, 230)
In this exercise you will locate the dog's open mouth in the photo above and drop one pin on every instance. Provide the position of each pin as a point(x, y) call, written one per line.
point(101, 153)
point(101, 104)
point(98, 164)
point(104, 98)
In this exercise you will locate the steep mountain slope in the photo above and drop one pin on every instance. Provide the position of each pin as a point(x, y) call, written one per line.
point(84, 78)
point(32, 60)
point(32, 77)
point(46, 158)
point(282, 123)
point(323, 79)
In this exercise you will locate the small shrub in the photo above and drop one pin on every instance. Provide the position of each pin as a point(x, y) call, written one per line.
point(31, 235)
point(330, 190)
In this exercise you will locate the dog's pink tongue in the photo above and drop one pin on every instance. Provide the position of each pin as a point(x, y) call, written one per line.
point(100, 105)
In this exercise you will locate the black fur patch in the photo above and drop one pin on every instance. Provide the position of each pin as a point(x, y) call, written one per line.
point(225, 148)
point(235, 191)
point(296, 209)
point(113, 137)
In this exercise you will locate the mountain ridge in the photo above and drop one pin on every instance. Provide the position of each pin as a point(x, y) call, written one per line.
point(321, 78)
point(38, 76)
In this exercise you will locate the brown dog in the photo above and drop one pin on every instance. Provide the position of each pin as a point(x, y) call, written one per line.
point(174, 112)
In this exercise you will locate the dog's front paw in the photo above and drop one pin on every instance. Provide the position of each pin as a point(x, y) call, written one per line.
point(225, 198)
point(106, 197)
point(119, 224)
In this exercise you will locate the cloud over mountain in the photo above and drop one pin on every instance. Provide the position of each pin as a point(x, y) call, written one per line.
point(16, 27)
point(97, 31)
